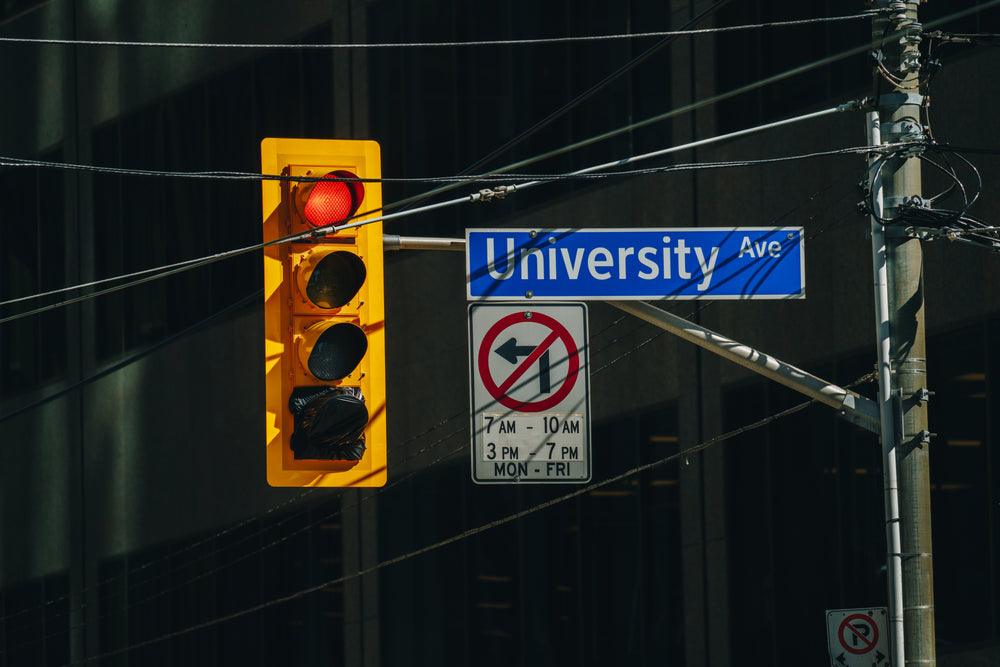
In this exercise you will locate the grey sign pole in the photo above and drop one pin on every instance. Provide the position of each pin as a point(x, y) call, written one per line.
point(890, 480)
point(899, 105)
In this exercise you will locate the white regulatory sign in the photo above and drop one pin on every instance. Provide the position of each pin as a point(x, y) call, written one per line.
point(530, 395)
point(858, 637)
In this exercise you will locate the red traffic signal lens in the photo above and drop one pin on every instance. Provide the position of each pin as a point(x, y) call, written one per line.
point(331, 200)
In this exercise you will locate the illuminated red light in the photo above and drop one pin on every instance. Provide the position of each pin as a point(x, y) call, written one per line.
point(333, 200)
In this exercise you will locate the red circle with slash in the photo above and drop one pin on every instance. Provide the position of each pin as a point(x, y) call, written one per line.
point(557, 332)
point(862, 642)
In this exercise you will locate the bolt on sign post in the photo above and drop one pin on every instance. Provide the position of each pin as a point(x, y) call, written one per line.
point(324, 315)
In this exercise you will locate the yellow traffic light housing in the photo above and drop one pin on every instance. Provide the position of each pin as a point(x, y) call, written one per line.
point(324, 314)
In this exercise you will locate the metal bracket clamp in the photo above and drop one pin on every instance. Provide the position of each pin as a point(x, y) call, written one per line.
point(913, 201)
point(902, 131)
point(912, 30)
point(900, 427)
point(893, 100)
point(897, 232)
point(911, 59)
point(930, 234)
point(912, 35)
point(924, 436)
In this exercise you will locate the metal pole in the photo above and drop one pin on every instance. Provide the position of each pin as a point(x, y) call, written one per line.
point(397, 242)
point(849, 405)
point(883, 335)
point(852, 407)
point(899, 106)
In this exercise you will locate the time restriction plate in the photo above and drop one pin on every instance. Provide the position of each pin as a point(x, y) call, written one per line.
point(530, 393)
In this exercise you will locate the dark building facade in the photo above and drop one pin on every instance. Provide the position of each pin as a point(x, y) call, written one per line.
point(136, 523)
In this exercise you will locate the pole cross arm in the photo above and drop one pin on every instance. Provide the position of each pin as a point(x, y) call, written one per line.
point(856, 409)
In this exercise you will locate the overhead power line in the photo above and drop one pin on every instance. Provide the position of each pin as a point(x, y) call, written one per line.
point(230, 175)
point(694, 106)
point(530, 510)
point(586, 94)
point(466, 534)
point(148, 275)
point(411, 45)
point(408, 445)
point(475, 197)
point(413, 454)
point(497, 176)
point(590, 173)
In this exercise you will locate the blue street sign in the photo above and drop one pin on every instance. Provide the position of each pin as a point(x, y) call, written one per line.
point(649, 264)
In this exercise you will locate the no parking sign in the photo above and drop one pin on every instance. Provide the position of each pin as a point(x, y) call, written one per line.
point(858, 637)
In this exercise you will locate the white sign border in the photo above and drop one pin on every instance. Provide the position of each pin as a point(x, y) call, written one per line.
point(583, 376)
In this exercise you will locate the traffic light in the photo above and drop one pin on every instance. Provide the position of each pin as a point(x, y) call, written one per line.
point(323, 314)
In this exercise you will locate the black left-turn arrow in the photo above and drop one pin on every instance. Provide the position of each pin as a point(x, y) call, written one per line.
point(510, 350)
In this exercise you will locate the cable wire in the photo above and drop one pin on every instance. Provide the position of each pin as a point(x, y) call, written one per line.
point(916, 214)
point(410, 45)
point(482, 195)
point(694, 106)
point(467, 534)
point(175, 268)
point(687, 450)
point(131, 605)
point(414, 455)
point(628, 128)
point(582, 97)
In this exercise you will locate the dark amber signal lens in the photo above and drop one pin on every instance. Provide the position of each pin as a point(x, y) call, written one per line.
point(336, 279)
point(337, 352)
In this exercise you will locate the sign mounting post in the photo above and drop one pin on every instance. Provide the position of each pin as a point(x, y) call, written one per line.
point(530, 393)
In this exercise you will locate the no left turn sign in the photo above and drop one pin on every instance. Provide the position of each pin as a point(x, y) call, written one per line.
point(529, 391)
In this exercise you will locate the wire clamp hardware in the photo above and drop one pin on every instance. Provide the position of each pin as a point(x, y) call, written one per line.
point(912, 35)
point(908, 148)
point(930, 68)
point(931, 233)
point(913, 201)
point(905, 131)
point(499, 192)
point(910, 62)
point(859, 104)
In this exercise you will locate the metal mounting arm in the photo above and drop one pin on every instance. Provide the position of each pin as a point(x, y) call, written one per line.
point(854, 408)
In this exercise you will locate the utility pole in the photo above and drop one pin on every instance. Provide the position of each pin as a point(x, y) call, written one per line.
point(899, 101)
